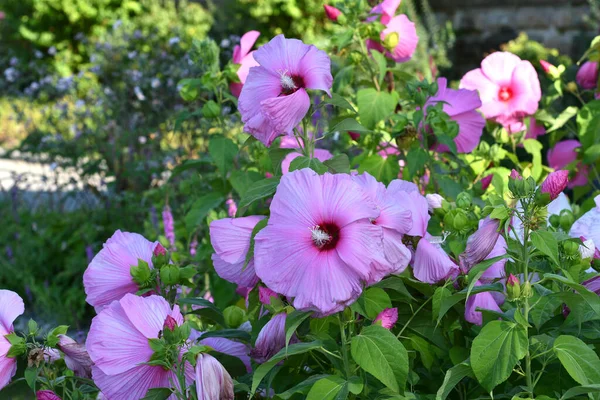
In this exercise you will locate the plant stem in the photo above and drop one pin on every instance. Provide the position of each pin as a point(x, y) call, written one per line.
point(413, 316)
point(528, 376)
point(344, 348)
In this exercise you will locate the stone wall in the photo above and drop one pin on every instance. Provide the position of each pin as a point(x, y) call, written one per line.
point(482, 25)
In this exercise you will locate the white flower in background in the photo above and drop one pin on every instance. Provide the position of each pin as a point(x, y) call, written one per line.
point(174, 40)
point(139, 94)
point(587, 249)
point(52, 51)
point(155, 83)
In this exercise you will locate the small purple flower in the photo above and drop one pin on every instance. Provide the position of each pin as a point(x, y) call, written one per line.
point(89, 252)
point(231, 207)
point(169, 225)
point(194, 245)
point(387, 318)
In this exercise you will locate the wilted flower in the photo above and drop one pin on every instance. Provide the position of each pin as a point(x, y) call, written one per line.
point(387, 318)
point(509, 87)
point(270, 340)
point(431, 264)
point(483, 300)
point(332, 12)
point(108, 277)
point(11, 306)
point(245, 58)
point(563, 154)
point(555, 183)
point(274, 98)
point(587, 75)
point(119, 347)
point(76, 356)
point(213, 382)
point(230, 238)
point(319, 245)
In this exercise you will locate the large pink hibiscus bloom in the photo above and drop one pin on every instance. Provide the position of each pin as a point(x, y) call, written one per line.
point(509, 87)
point(461, 105)
point(319, 246)
point(245, 58)
point(274, 98)
point(11, 306)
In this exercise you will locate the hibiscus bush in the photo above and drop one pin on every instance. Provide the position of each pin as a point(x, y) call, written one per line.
point(353, 226)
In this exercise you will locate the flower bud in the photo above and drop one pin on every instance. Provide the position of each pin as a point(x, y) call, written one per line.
point(160, 256)
point(587, 75)
point(387, 318)
point(526, 290)
point(169, 275)
point(391, 41)
point(513, 287)
point(555, 183)
point(546, 66)
point(46, 395)
point(141, 273)
point(354, 135)
point(554, 220)
point(485, 182)
point(159, 250)
point(570, 248)
point(76, 356)
point(460, 221)
point(270, 340)
point(515, 175)
point(234, 316)
point(566, 219)
point(211, 109)
point(434, 201)
point(212, 379)
point(170, 323)
point(332, 12)
point(463, 200)
point(480, 244)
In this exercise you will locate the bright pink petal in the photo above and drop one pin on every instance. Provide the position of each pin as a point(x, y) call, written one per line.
point(147, 314)
point(587, 75)
point(315, 68)
point(373, 45)
point(432, 264)
point(488, 92)
point(407, 33)
point(285, 112)
point(246, 63)
point(246, 43)
point(387, 9)
point(11, 306)
point(8, 367)
point(498, 67)
point(108, 276)
point(526, 89)
point(563, 153)
point(359, 239)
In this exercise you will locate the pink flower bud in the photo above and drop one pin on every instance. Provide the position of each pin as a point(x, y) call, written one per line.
point(159, 250)
point(434, 201)
point(268, 175)
point(546, 66)
point(387, 318)
point(555, 183)
point(265, 294)
point(512, 280)
point(170, 323)
point(587, 76)
point(270, 340)
point(485, 182)
point(480, 244)
point(76, 356)
point(515, 175)
point(332, 12)
point(231, 207)
point(46, 395)
point(353, 135)
point(212, 379)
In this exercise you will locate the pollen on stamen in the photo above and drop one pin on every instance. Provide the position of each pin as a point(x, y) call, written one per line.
point(287, 82)
point(320, 237)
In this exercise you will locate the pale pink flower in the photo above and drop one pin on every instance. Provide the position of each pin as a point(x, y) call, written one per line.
point(387, 318)
point(587, 75)
point(407, 193)
point(434, 201)
point(555, 183)
point(244, 57)
point(461, 105)
point(508, 87)
point(588, 225)
point(46, 395)
point(405, 32)
point(274, 98)
point(11, 306)
point(76, 356)
point(230, 238)
point(213, 382)
point(108, 276)
point(270, 339)
point(387, 10)
point(483, 300)
point(563, 154)
point(118, 345)
point(431, 264)
point(319, 246)
point(332, 12)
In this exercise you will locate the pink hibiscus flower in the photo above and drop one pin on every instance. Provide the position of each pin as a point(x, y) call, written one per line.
point(400, 37)
point(461, 105)
point(230, 238)
point(108, 276)
point(563, 154)
point(212, 379)
point(244, 57)
point(509, 87)
point(11, 306)
point(320, 245)
point(274, 98)
point(387, 9)
point(431, 264)
point(408, 194)
point(588, 225)
point(118, 345)
point(484, 300)
point(587, 75)
point(291, 143)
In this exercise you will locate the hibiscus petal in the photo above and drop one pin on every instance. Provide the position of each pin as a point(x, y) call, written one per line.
point(132, 384)
point(407, 33)
point(498, 67)
point(230, 347)
point(470, 129)
point(431, 264)
point(247, 63)
point(395, 251)
point(526, 89)
point(230, 237)
point(246, 43)
point(315, 69)
point(360, 246)
point(488, 92)
point(282, 55)
point(11, 306)
point(285, 112)
point(235, 272)
point(147, 314)
point(8, 369)
point(483, 300)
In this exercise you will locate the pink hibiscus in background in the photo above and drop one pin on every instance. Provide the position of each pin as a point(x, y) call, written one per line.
point(11, 306)
point(274, 98)
point(400, 33)
point(118, 345)
point(386, 9)
point(289, 142)
point(588, 225)
point(587, 75)
point(563, 154)
point(319, 246)
point(244, 57)
point(509, 87)
point(108, 276)
point(461, 105)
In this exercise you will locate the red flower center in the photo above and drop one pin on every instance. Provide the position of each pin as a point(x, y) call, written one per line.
point(325, 236)
point(505, 93)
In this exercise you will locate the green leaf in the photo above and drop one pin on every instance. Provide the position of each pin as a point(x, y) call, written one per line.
point(343, 78)
point(581, 362)
point(339, 164)
point(257, 228)
point(579, 390)
point(588, 122)
point(223, 152)
point(227, 333)
point(349, 124)
point(591, 299)
point(544, 307)
point(294, 349)
point(200, 209)
point(380, 353)
point(374, 106)
point(292, 322)
point(381, 64)
point(355, 384)
point(496, 351)
point(339, 101)
point(446, 303)
point(31, 374)
point(591, 154)
point(326, 388)
point(453, 376)
point(244, 180)
point(534, 148)
point(383, 169)
point(158, 394)
point(374, 301)
point(416, 159)
point(545, 242)
point(563, 118)
point(479, 269)
point(260, 190)
point(208, 311)
point(308, 162)
point(396, 284)
point(189, 88)
point(301, 388)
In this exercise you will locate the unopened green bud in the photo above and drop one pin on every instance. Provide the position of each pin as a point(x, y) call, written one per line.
point(526, 290)
point(140, 273)
point(391, 41)
point(211, 109)
point(460, 221)
point(554, 220)
point(463, 200)
point(234, 316)
point(513, 287)
point(169, 275)
point(571, 248)
point(566, 219)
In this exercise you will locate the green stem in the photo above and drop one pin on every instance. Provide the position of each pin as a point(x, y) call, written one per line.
point(344, 348)
point(413, 316)
point(528, 376)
